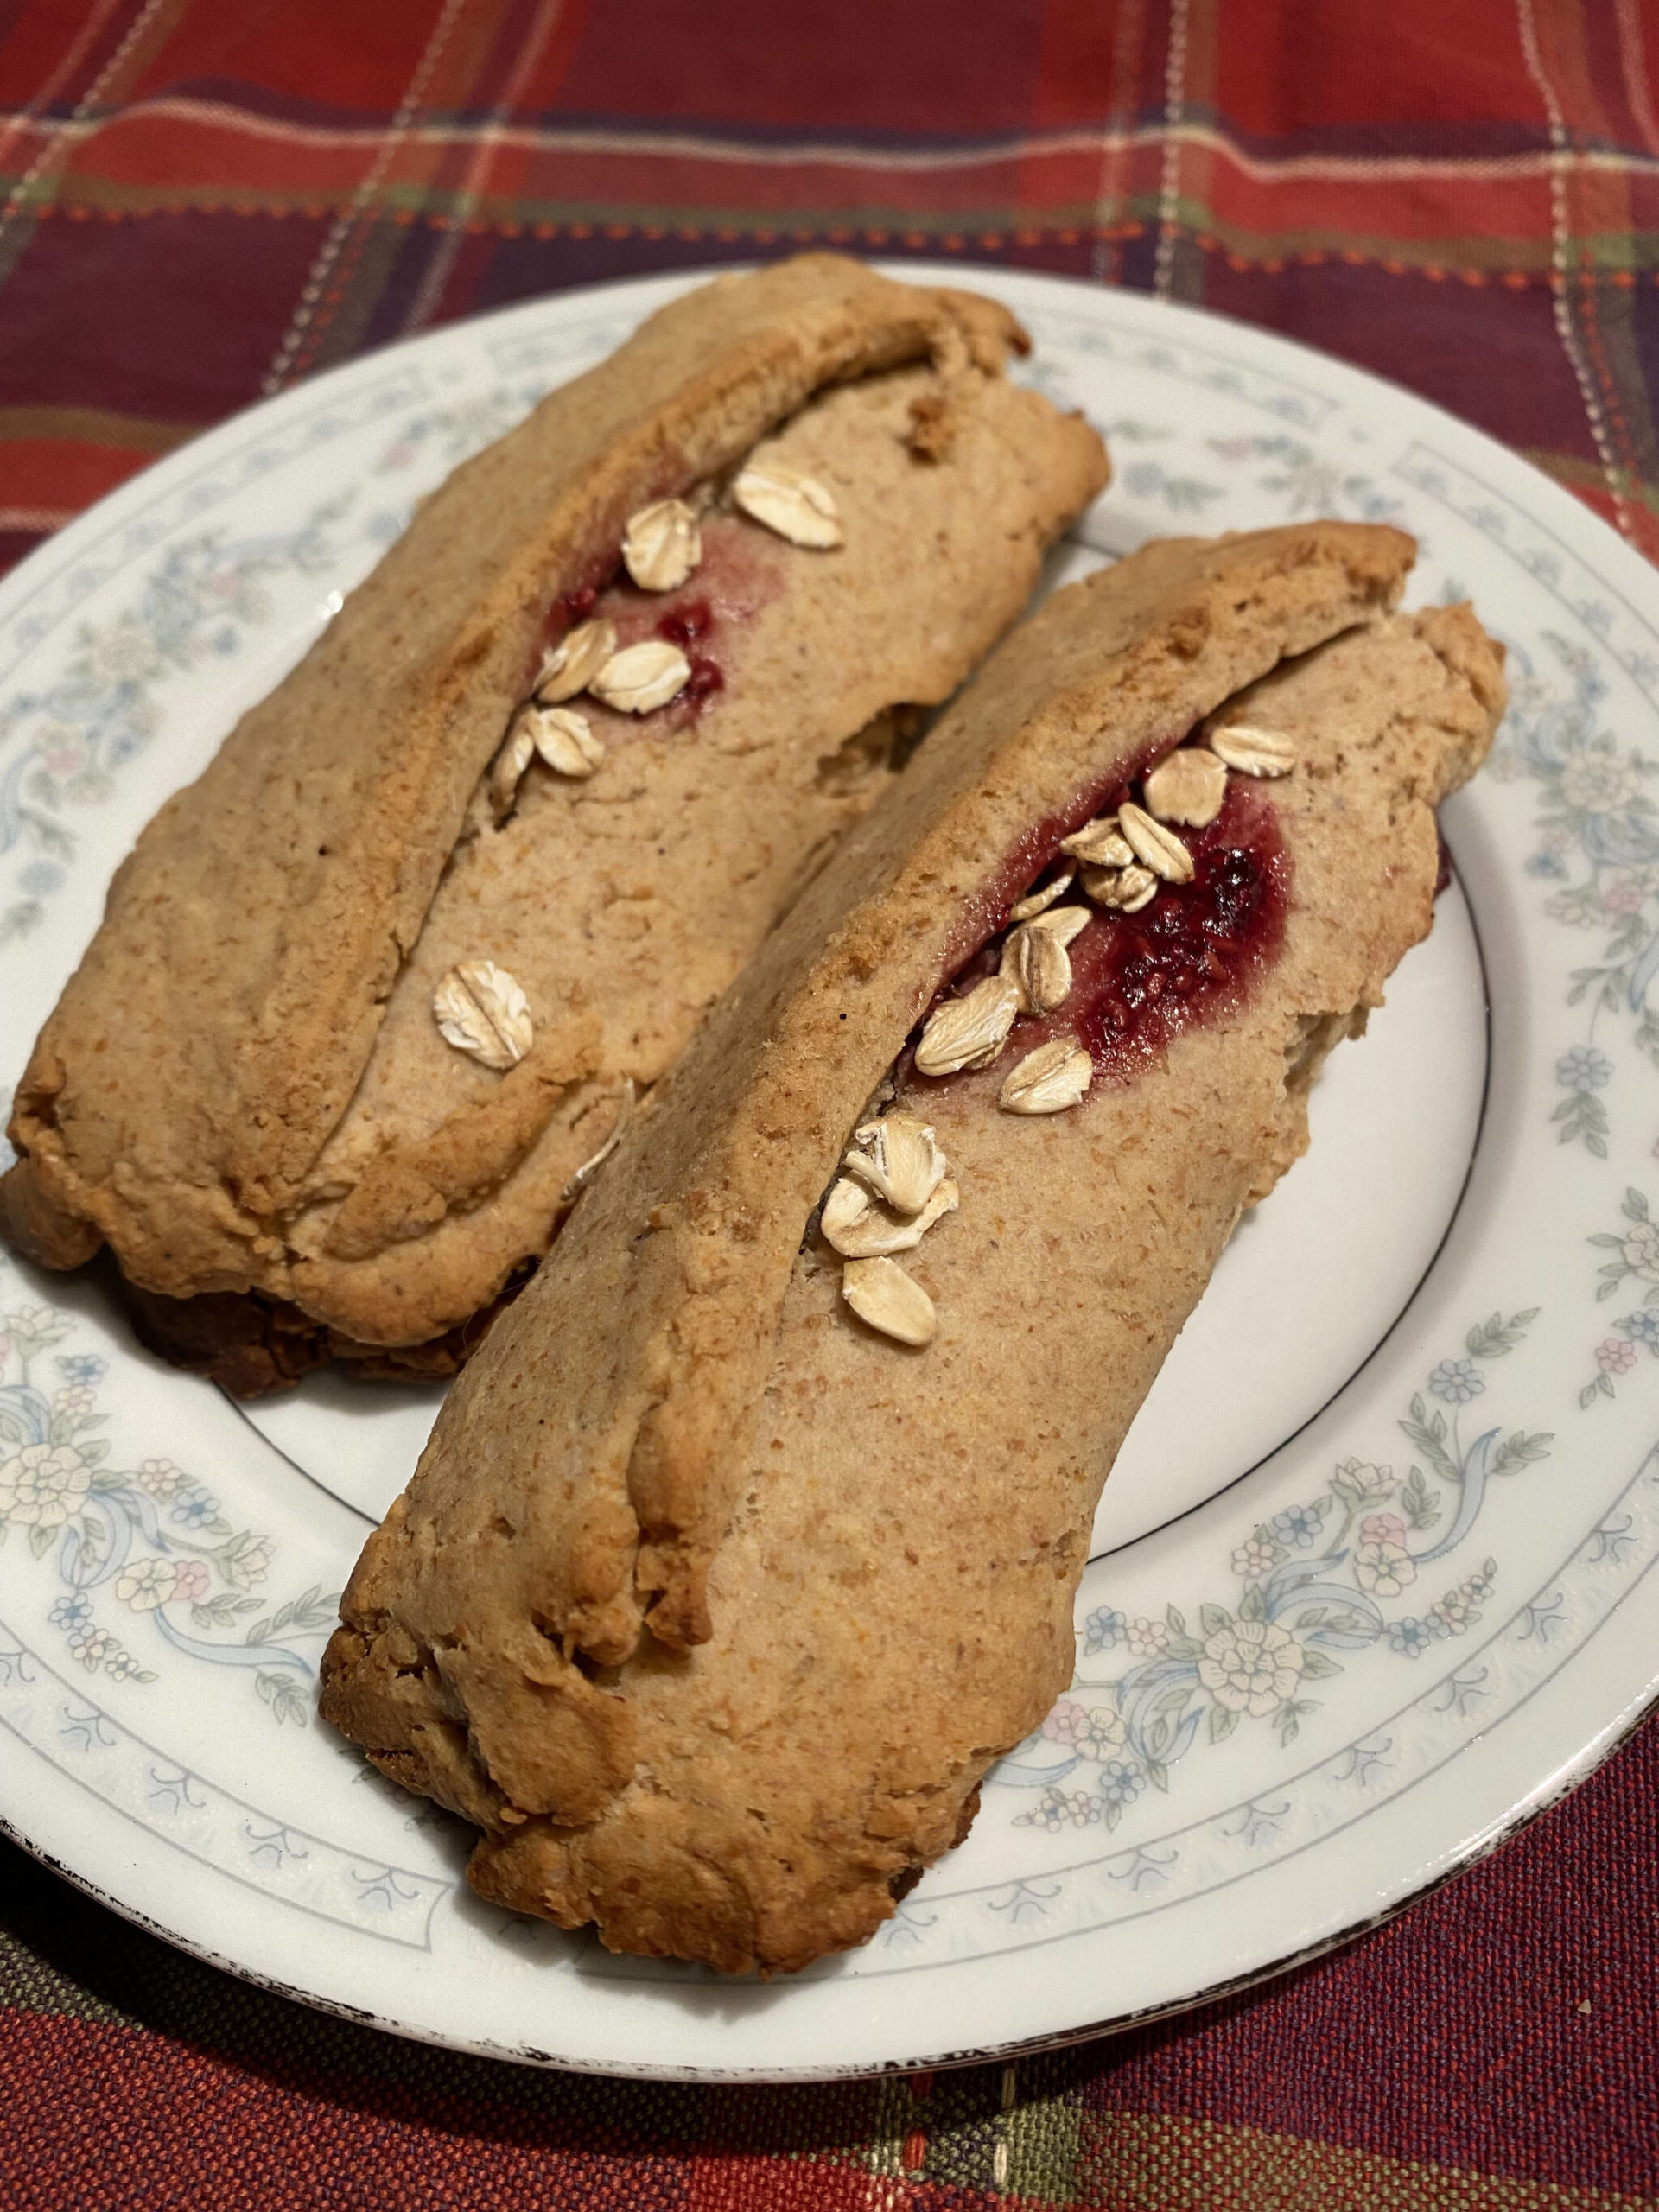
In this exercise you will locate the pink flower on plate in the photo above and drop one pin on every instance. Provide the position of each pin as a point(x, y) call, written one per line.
point(1067, 1723)
point(1146, 1636)
point(1383, 1529)
point(62, 750)
point(1616, 1356)
point(190, 1581)
point(1255, 1557)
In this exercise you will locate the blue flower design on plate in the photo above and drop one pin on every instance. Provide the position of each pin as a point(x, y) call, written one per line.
point(1300, 1525)
point(1120, 1783)
point(1583, 1067)
point(147, 1538)
point(1410, 1637)
point(1457, 1380)
point(193, 1508)
point(1598, 829)
point(1298, 1620)
point(1103, 1628)
point(105, 705)
point(1634, 1250)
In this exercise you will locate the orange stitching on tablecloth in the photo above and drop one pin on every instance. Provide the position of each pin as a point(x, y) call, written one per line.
point(1025, 238)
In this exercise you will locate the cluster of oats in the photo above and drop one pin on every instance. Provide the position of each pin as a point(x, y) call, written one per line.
point(893, 1186)
point(1117, 862)
point(1122, 857)
point(480, 1008)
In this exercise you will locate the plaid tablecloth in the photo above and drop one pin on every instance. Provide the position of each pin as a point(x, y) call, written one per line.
point(206, 199)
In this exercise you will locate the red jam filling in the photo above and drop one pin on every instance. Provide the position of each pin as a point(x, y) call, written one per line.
point(735, 577)
point(574, 606)
point(987, 911)
point(687, 626)
point(1195, 952)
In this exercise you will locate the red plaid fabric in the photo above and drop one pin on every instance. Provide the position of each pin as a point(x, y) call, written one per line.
point(202, 202)
point(205, 203)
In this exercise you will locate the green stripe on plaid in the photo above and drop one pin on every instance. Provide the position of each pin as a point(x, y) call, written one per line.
point(1013, 2130)
point(30, 1983)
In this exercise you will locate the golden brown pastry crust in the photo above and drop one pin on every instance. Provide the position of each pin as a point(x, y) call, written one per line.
point(707, 1604)
point(242, 1088)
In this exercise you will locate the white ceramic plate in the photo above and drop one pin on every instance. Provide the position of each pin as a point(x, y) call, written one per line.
point(1373, 1572)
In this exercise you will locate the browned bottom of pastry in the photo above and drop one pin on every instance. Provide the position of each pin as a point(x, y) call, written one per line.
point(254, 1346)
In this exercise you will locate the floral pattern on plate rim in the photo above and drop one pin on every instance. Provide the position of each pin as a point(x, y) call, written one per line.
point(1635, 1251)
point(61, 746)
point(107, 705)
point(1315, 1580)
point(1599, 841)
point(149, 1539)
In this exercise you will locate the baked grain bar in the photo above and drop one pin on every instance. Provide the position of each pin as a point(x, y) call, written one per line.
point(370, 993)
point(751, 1538)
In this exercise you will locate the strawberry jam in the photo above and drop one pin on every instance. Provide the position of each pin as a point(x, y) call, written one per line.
point(738, 575)
point(576, 605)
point(687, 626)
point(704, 681)
point(1195, 952)
point(1198, 949)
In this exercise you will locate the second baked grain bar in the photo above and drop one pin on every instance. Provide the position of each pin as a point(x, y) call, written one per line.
point(729, 1569)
